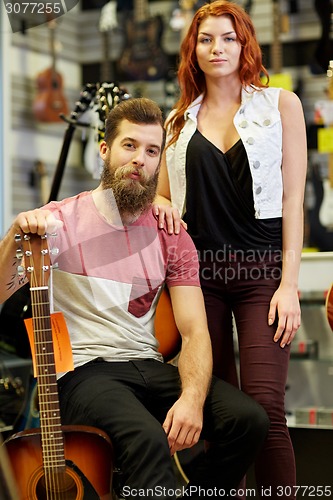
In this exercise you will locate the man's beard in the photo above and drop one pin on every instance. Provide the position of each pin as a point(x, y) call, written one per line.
point(132, 196)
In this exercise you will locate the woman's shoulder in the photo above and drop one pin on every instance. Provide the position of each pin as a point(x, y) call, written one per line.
point(289, 102)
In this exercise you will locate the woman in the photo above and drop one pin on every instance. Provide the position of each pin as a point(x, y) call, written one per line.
point(235, 169)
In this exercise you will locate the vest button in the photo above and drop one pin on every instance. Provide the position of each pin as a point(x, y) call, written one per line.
point(250, 141)
point(267, 122)
point(256, 164)
point(258, 190)
point(244, 124)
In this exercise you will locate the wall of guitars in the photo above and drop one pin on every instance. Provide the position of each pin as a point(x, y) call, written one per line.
point(79, 67)
point(135, 43)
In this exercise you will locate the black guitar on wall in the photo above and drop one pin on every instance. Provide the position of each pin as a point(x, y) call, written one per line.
point(143, 57)
point(324, 49)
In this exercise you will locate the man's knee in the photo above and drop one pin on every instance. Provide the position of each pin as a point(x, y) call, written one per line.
point(256, 421)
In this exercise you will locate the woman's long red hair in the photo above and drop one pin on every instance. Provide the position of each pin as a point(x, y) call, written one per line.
point(190, 77)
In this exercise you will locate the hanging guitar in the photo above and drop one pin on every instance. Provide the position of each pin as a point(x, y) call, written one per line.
point(108, 95)
point(50, 101)
point(324, 50)
point(143, 57)
point(329, 307)
point(326, 208)
point(278, 78)
point(55, 462)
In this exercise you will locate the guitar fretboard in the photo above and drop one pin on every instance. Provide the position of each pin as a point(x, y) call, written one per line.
point(49, 411)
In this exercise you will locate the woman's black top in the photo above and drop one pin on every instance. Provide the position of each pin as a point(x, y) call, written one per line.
point(219, 200)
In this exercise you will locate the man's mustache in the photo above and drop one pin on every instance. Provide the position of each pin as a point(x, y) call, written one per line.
point(127, 170)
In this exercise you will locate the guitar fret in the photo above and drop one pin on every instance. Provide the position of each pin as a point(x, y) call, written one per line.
point(53, 417)
point(57, 435)
point(51, 465)
point(46, 364)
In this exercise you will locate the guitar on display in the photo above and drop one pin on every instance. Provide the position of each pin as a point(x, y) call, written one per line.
point(143, 57)
point(54, 462)
point(324, 50)
point(326, 208)
point(329, 307)
point(278, 78)
point(50, 101)
point(108, 95)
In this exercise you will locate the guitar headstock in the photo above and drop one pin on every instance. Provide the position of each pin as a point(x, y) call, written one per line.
point(36, 254)
point(87, 96)
point(107, 98)
point(108, 18)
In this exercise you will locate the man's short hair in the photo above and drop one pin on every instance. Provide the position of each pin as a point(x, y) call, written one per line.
point(139, 110)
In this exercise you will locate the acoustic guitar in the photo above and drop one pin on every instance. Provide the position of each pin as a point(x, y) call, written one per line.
point(329, 307)
point(143, 57)
point(50, 101)
point(166, 330)
point(55, 462)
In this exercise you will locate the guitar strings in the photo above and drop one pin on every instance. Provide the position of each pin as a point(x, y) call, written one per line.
point(51, 434)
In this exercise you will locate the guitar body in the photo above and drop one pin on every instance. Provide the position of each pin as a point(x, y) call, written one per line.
point(143, 58)
point(89, 465)
point(50, 101)
point(166, 330)
point(329, 307)
point(326, 208)
point(324, 50)
point(319, 236)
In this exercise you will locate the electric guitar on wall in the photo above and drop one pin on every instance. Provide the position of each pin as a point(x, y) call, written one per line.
point(50, 101)
point(143, 57)
point(55, 461)
point(277, 78)
point(324, 49)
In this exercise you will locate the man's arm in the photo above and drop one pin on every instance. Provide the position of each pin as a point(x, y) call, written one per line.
point(183, 423)
point(37, 221)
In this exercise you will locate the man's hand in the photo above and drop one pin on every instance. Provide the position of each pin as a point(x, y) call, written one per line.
point(37, 221)
point(183, 425)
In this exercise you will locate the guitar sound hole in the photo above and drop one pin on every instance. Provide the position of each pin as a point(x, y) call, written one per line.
point(59, 486)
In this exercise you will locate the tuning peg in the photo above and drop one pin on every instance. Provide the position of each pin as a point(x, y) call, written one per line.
point(19, 253)
point(17, 238)
point(20, 270)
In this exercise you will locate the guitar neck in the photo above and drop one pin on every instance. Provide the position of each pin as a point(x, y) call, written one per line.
point(50, 423)
point(106, 75)
point(140, 10)
point(276, 48)
point(330, 96)
point(51, 27)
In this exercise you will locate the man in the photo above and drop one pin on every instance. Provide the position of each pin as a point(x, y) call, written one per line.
point(112, 264)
